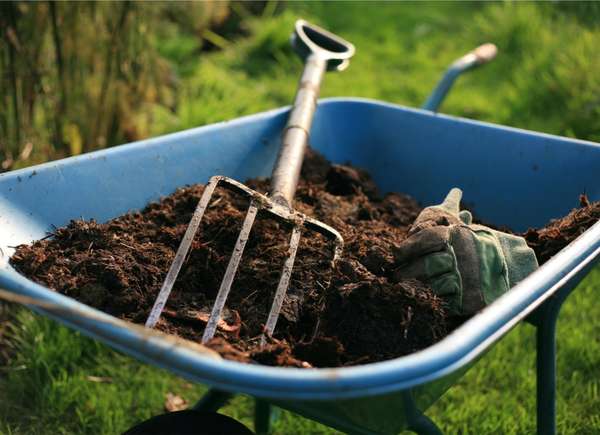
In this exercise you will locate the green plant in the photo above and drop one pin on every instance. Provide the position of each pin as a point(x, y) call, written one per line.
point(82, 76)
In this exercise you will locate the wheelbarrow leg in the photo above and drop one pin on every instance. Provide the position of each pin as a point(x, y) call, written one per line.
point(213, 400)
point(262, 417)
point(423, 425)
point(546, 366)
point(546, 377)
point(545, 318)
point(417, 421)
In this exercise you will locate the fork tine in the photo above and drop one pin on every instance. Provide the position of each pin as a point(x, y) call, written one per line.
point(234, 262)
point(181, 253)
point(284, 282)
point(257, 201)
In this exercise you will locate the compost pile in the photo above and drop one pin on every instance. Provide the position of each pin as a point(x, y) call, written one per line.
point(356, 313)
point(547, 241)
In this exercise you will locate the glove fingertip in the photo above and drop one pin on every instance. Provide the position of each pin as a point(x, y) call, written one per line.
point(466, 217)
point(452, 201)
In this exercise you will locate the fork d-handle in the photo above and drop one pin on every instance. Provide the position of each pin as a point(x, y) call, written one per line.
point(479, 56)
point(284, 178)
point(321, 50)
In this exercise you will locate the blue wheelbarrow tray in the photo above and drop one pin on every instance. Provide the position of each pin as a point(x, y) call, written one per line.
point(509, 176)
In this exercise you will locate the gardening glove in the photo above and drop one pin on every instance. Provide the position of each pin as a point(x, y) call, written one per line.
point(469, 266)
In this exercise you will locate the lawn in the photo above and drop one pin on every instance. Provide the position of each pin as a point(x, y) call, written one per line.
point(545, 78)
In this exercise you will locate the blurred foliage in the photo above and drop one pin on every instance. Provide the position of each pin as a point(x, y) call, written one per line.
point(551, 77)
point(543, 78)
point(79, 76)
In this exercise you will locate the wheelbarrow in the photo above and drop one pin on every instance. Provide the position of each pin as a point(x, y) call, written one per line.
point(405, 150)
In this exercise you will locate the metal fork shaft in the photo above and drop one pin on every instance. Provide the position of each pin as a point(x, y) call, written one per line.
point(285, 175)
point(234, 262)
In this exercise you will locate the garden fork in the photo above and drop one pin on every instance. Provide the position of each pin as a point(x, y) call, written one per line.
point(321, 51)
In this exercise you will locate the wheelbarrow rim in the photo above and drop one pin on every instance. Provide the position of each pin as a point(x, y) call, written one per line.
point(456, 350)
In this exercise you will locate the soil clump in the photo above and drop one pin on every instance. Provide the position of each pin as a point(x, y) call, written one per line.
point(547, 241)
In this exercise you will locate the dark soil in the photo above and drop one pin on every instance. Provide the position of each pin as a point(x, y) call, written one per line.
point(353, 314)
point(546, 242)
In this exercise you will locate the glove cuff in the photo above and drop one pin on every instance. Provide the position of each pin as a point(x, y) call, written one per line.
point(520, 258)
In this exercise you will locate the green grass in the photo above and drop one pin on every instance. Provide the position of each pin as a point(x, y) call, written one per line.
point(538, 82)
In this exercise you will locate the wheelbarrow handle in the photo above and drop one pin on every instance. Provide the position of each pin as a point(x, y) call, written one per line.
point(479, 56)
point(321, 51)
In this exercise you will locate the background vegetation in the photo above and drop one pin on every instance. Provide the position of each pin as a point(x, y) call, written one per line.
point(81, 76)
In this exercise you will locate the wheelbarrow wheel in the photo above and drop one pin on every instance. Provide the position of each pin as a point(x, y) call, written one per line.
point(190, 423)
